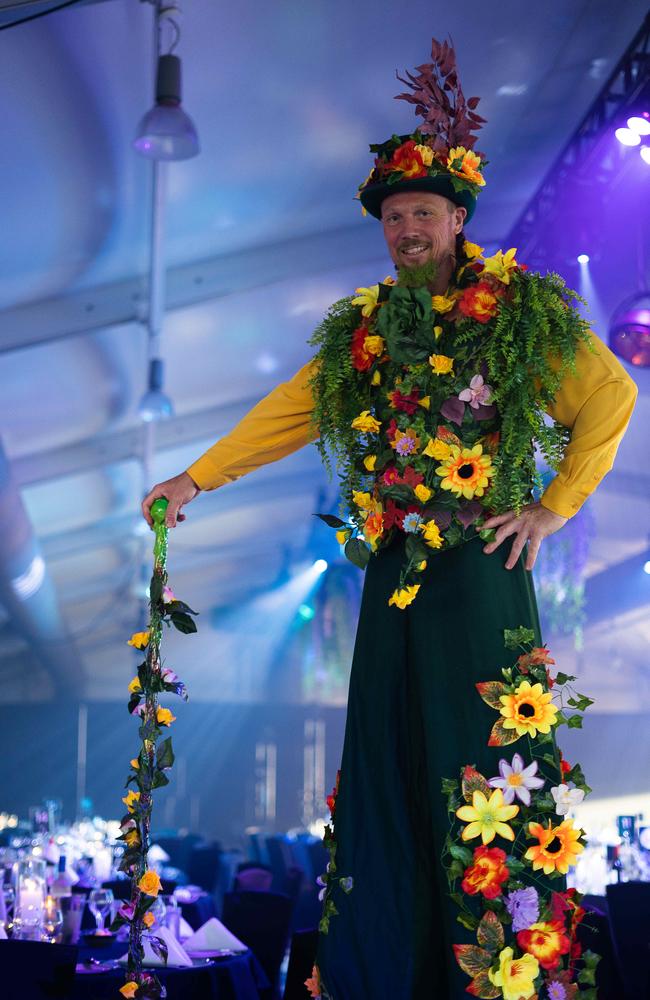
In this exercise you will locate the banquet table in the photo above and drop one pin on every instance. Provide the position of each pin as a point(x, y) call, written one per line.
point(232, 977)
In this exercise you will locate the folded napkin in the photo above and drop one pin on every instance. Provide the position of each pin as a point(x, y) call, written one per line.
point(176, 954)
point(213, 936)
point(184, 929)
point(3, 933)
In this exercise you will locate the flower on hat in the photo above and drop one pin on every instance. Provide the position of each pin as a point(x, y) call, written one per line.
point(566, 798)
point(487, 817)
point(367, 298)
point(487, 873)
point(404, 596)
point(479, 302)
point(466, 472)
point(528, 710)
point(407, 160)
point(557, 847)
point(515, 976)
point(466, 164)
point(517, 780)
point(426, 154)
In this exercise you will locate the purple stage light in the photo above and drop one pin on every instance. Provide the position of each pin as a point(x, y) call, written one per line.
point(583, 258)
point(639, 124)
point(627, 136)
point(645, 154)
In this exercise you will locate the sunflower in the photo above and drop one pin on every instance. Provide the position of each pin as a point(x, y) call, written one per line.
point(557, 848)
point(487, 817)
point(466, 471)
point(528, 710)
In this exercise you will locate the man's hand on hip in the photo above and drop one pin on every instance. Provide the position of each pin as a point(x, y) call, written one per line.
point(532, 524)
point(177, 491)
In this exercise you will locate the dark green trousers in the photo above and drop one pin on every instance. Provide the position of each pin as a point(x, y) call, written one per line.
point(414, 716)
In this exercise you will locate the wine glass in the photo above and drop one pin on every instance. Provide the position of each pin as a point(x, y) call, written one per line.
point(99, 902)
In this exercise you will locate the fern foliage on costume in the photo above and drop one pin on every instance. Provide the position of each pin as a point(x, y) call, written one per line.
point(430, 406)
point(525, 931)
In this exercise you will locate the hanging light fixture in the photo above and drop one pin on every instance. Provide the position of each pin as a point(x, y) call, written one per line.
point(167, 132)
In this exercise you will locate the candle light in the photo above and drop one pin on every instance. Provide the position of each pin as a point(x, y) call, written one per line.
point(30, 894)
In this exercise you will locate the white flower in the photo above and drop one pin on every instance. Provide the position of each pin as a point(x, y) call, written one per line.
point(516, 780)
point(566, 798)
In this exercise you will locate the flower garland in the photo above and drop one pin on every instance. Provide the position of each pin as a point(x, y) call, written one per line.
point(525, 931)
point(149, 769)
point(430, 405)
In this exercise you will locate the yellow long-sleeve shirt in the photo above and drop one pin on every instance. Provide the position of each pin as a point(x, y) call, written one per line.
point(595, 404)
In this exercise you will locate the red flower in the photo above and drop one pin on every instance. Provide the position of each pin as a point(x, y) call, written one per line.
point(565, 767)
point(411, 477)
point(393, 515)
point(407, 160)
point(331, 799)
point(392, 430)
point(361, 358)
point(390, 476)
point(487, 873)
point(546, 941)
point(479, 302)
point(408, 402)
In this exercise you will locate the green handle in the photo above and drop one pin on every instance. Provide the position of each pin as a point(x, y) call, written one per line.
point(159, 509)
point(158, 512)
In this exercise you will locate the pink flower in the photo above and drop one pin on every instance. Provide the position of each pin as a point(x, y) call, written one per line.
point(168, 595)
point(390, 476)
point(517, 780)
point(477, 394)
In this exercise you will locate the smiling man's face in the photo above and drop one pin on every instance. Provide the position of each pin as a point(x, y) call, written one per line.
point(420, 227)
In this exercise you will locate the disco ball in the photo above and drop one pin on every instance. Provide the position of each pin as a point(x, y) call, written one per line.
point(629, 330)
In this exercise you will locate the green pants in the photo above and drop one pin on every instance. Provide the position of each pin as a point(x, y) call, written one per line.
point(414, 716)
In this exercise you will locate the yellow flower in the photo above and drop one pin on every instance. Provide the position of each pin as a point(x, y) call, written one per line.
point(557, 847)
point(150, 883)
point(426, 153)
point(515, 976)
point(402, 597)
point(148, 919)
point(374, 345)
point(500, 265)
point(132, 838)
point(466, 471)
point(130, 799)
point(129, 990)
point(362, 500)
point(135, 763)
point(487, 817)
point(432, 535)
point(342, 536)
point(165, 717)
point(135, 686)
point(469, 164)
point(367, 298)
point(528, 710)
point(442, 304)
point(438, 331)
point(139, 640)
point(425, 402)
point(422, 492)
point(472, 250)
point(373, 528)
point(420, 568)
point(376, 378)
point(441, 364)
point(389, 280)
point(370, 461)
point(436, 449)
point(366, 423)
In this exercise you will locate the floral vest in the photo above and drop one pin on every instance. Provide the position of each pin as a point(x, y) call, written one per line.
point(443, 430)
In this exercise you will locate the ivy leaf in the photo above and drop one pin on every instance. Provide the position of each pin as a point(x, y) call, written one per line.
point(472, 960)
point(473, 781)
point(491, 691)
point(183, 622)
point(165, 754)
point(331, 521)
point(587, 976)
point(415, 548)
point(461, 853)
point(574, 722)
point(513, 638)
point(490, 932)
point(159, 779)
point(500, 737)
point(357, 552)
point(481, 986)
point(581, 702)
point(562, 678)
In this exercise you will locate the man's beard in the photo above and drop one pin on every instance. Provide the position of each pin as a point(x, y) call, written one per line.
point(418, 276)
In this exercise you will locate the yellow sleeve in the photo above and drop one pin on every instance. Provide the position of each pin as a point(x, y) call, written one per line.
point(278, 425)
point(596, 405)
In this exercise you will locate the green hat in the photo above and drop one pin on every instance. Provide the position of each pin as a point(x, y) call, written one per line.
point(439, 156)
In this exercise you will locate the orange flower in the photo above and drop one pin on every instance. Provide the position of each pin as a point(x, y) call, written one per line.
point(313, 984)
point(373, 527)
point(466, 471)
point(557, 848)
point(547, 942)
point(164, 717)
point(407, 160)
point(129, 990)
point(479, 302)
point(148, 920)
point(465, 164)
point(150, 883)
point(487, 874)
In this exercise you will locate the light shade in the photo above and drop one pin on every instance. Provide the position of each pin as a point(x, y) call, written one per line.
point(155, 404)
point(627, 136)
point(639, 125)
point(583, 258)
point(167, 132)
point(644, 153)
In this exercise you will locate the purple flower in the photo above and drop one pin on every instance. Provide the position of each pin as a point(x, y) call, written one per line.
point(477, 393)
point(126, 911)
point(405, 445)
point(516, 780)
point(556, 991)
point(523, 907)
